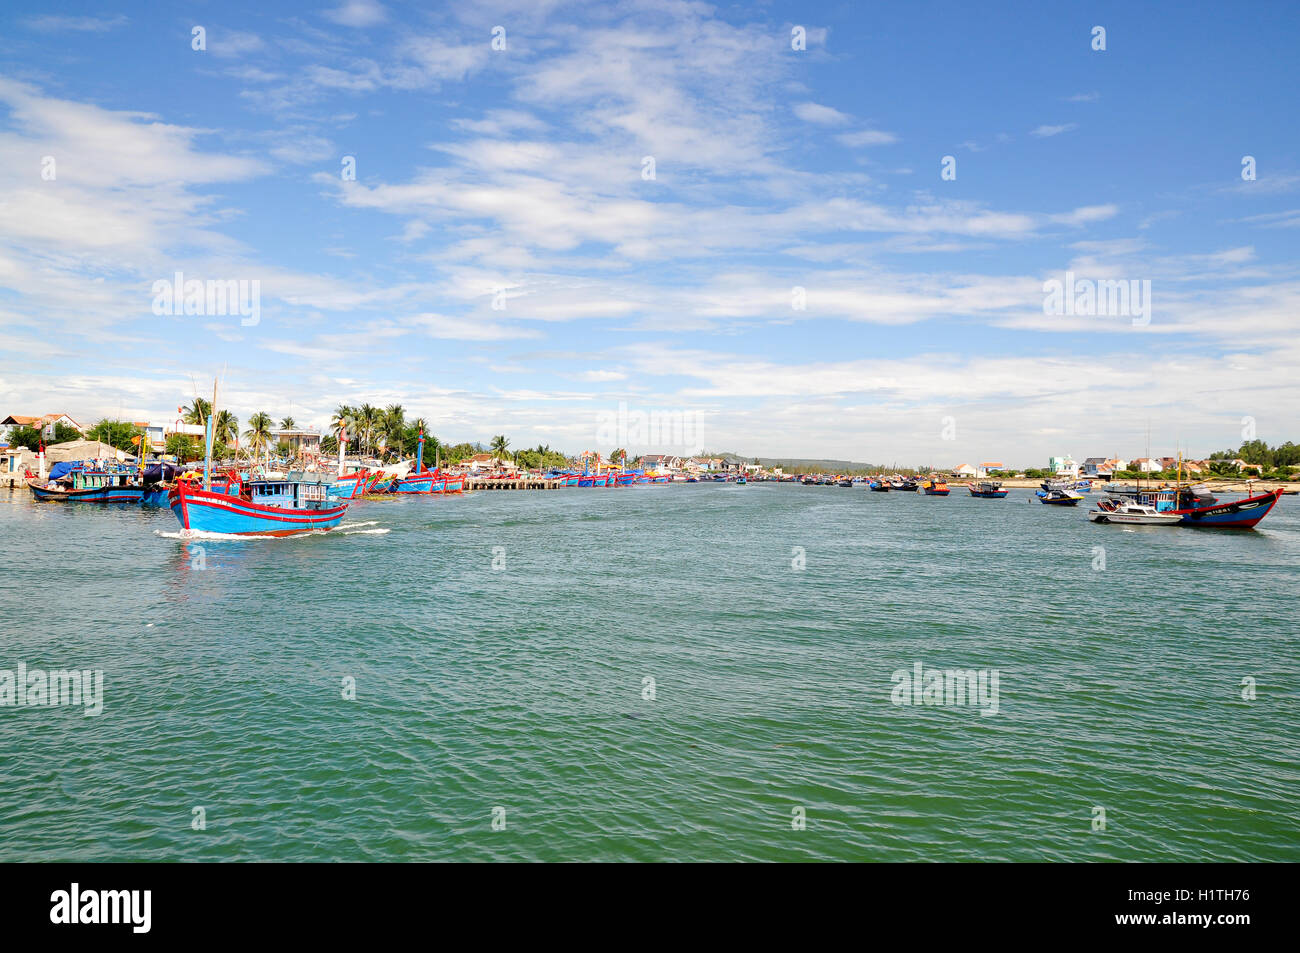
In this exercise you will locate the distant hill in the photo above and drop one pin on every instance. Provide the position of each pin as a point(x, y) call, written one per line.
point(799, 464)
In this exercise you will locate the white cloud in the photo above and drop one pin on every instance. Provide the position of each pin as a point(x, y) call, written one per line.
point(822, 115)
point(1086, 214)
point(233, 43)
point(359, 13)
point(1042, 132)
point(867, 137)
point(467, 328)
point(61, 24)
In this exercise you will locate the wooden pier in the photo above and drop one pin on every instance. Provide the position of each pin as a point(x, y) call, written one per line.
point(522, 483)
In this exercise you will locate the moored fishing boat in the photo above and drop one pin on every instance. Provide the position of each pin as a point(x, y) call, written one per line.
point(1234, 514)
point(987, 490)
point(158, 481)
point(878, 486)
point(1058, 497)
point(350, 485)
point(78, 485)
point(419, 482)
point(935, 488)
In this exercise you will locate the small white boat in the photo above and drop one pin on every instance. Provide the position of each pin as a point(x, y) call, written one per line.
point(1128, 511)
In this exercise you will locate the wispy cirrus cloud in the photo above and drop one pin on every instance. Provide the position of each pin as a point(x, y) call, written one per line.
point(53, 23)
point(867, 137)
point(821, 115)
point(1044, 132)
point(358, 13)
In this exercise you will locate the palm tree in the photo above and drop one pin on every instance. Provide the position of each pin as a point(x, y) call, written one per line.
point(392, 425)
point(259, 432)
point(226, 428)
point(197, 412)
point(344, 419)
point(500, 447)
point(367, 419)
point(287, 423)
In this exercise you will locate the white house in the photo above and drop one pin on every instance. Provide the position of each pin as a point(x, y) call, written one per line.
point(1064, 467)
point(965, 470)
point(44, 423)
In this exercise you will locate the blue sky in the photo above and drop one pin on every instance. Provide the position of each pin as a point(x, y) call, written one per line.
point(515, 177)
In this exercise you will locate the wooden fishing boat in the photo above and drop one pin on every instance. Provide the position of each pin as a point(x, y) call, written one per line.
point(987, 490)
point(421, 481)
point(350, 486)
point(89, 486)
point(935, 488)
point(878, 486)
point(1235, 514)
point(257, 508)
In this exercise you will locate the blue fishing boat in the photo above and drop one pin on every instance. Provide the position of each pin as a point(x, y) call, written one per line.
point(988, 490)
point(73, 483)
point(349, 486)
point(1196, 511)
point(158, 479)
point(256, 508)
point(421, 482)
point(878, 486)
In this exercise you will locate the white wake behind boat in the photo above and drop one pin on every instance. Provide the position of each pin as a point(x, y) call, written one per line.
point(1127, 511)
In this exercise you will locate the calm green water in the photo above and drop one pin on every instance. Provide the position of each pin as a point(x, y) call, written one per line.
point(523, 688)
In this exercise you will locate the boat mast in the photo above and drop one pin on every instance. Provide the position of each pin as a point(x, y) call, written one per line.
point(207, 439)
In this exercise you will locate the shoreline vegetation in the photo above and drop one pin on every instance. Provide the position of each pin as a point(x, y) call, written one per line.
point(386, 434)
